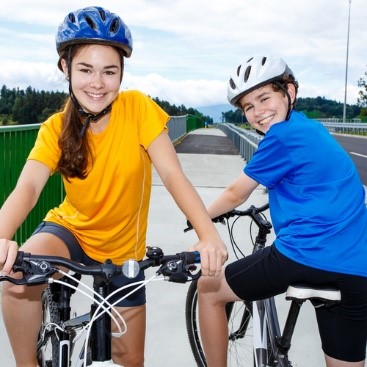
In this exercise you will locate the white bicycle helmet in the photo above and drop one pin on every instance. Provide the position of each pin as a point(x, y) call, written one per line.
point(254, 73)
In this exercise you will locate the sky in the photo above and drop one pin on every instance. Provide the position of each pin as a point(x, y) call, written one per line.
point(185, 50)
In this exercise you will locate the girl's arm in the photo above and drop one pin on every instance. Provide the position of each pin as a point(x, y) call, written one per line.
point(16, 208)
point(212, 249)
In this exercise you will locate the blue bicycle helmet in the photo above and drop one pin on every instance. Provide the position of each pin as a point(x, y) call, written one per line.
point(94, 25)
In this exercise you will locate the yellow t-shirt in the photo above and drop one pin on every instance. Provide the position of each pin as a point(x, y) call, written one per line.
point(108, 211)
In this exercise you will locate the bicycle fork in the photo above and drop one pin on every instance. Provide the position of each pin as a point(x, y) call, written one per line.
point(64, 338)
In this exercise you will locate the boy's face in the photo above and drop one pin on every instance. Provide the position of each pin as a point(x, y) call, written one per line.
point(264, 107)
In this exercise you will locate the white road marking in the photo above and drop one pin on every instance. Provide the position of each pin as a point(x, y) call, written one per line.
point(359, 155)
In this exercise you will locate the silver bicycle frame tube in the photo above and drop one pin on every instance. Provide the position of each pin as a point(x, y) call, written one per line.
point(266, 330)
point(260, 335)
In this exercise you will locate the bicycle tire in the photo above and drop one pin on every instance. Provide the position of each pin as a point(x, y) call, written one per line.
point(240, 344)
point(47, 344)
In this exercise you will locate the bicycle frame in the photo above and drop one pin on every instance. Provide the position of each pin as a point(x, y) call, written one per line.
point(267, 345)
point(266, 331)
point(264, 313)
point(100, 331)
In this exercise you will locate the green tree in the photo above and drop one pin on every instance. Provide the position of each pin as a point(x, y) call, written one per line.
point(7, 99)
point(234, 116)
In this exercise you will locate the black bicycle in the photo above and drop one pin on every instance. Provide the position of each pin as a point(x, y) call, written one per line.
point(57, 342)
point(253, 327)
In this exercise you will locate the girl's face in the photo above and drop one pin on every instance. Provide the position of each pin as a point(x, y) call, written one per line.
point(95, 76)
point(264, 107)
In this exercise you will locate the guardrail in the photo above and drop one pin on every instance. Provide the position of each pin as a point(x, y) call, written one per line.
point(355, 128)
point(15, 145)
point(246, 141)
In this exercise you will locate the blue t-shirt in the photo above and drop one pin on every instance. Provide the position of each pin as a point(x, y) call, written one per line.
point(316, 198)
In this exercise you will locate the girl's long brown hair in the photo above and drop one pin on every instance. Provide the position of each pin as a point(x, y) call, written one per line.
point(75, 149)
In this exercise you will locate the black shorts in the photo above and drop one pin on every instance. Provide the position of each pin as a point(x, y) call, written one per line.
point(342, 327)
point(137, 298)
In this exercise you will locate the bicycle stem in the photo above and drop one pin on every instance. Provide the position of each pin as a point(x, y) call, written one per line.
point(101, 327)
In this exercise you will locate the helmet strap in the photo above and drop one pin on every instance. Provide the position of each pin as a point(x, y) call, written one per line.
point(90, 117)
point(288, 98)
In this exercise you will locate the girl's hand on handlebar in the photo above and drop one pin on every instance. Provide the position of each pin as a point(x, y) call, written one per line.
point(213, 255)
point(8, 254)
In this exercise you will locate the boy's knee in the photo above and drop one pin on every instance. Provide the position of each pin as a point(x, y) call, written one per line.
point(209, 290)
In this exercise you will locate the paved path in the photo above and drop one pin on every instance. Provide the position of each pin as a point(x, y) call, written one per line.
point(167, 343)
point(207, 141)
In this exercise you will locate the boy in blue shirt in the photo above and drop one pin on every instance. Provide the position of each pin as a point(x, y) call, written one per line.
point(317, 206)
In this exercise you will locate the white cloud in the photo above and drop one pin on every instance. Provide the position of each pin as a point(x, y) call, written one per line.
point(184, 50)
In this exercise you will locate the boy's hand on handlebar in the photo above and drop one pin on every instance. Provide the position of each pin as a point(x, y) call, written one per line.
point(8, 254)
point(213, 255)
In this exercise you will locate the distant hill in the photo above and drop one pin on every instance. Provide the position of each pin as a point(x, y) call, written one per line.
point(215, 112)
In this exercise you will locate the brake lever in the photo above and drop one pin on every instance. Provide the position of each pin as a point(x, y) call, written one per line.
point(189, 226)
point(21, 281)
point(178, 271)
point(220, 219)
point(175, 272)
point(34, 273)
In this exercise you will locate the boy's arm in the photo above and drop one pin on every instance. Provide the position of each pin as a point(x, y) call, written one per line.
point(233, 196)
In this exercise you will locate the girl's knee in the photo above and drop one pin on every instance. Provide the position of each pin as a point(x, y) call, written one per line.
point(131, 359)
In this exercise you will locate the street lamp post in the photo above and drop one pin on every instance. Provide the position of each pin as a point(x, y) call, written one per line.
point(346, 69)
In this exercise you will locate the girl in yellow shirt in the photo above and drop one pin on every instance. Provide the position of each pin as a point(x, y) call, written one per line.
point(103, 144)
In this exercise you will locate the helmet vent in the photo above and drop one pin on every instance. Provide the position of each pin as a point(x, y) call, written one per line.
point(232, 84)
point(263, 61)
point(238, 70)
point(90, 22)
point(247, 73)
point(115, 25)
point(102, 14)
point(72, 17)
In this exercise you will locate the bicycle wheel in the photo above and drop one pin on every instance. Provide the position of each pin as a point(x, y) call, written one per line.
point(47, 344)
point(240, 345)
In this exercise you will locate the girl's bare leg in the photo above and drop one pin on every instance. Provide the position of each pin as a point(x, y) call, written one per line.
point(128, 350)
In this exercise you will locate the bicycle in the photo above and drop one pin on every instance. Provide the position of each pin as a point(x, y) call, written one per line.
point(59, 333)
point(254, 332)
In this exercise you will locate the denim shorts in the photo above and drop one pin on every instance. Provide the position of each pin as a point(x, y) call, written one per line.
point(137, 298)
point(342, 327)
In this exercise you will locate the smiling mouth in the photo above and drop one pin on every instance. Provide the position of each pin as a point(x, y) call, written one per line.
point(265, 120)
point(95, 95)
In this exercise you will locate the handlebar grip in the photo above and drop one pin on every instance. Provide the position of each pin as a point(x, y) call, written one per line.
point(192, 257)
point(19, 259)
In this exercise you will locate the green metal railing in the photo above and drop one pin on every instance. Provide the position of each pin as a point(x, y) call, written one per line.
point(15, 144)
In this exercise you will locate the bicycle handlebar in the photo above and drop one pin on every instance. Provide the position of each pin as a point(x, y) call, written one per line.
point(37, 269)
point(252, 212)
